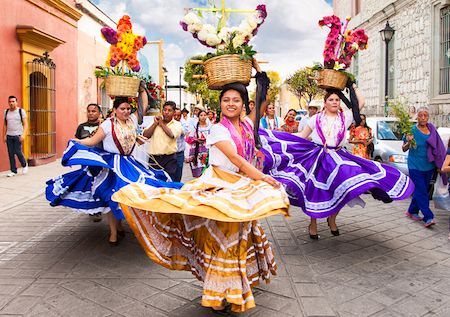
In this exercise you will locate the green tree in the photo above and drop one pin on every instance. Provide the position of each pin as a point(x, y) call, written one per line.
point(274, 87)
point(301, 85)
point(198, 85)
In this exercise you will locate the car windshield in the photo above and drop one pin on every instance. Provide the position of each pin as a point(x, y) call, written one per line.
point(389, 130)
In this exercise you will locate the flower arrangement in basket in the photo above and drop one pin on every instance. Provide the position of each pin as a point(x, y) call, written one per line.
point(232, 61)
point(340, 47)
point(122, 62)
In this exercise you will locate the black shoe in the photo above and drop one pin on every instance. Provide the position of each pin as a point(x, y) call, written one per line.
point(313, 236)
point(223, 312)
point(121, 233)
point(334, 233)
point(114, 243)
point(97, 217)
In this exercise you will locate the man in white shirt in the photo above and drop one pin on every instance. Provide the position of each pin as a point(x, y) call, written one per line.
point(14, 130)
point(312, 110)
point(181, 144)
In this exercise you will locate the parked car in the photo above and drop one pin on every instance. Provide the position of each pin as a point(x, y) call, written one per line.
point(387, 135)
point(300, 114)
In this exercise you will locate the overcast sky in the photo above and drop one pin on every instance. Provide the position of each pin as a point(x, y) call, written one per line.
point(290, 37)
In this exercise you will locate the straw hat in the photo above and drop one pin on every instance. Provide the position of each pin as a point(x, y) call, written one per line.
point(316, 103)
point(199, 107)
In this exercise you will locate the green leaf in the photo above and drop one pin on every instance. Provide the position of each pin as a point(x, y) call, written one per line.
point(200, 14)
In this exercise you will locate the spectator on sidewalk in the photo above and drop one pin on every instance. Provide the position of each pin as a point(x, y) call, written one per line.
point(181, 144)
point(290, 125)
point(313, 107)
point(14, 130)
point(270, 121)
point(185, 116)
point(164, 133)
point(194, 120)
point(423, 158)
point(88, 129)
point(198, 152)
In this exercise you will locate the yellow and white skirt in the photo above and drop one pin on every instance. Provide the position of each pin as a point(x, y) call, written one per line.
point(209, 227)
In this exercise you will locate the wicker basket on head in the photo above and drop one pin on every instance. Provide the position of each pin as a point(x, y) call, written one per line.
point(122, 86)
point(329, 78)
point(226, 69)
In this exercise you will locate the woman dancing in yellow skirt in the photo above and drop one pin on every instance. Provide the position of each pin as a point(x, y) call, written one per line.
point(210, 226)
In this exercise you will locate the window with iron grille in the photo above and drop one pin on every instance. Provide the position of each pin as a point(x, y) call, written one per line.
point(42, 113)
point(444, 67)
point(391, 67)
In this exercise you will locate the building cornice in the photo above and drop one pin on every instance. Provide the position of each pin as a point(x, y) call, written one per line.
point(65, 8)
point(89, 9)
point(30, 37)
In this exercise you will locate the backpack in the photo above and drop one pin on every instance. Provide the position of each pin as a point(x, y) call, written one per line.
point(20, 113)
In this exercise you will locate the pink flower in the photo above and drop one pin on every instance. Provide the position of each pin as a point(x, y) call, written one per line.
point(359, 32)
point(328, 19)
point(331, 42)
point(262, 11)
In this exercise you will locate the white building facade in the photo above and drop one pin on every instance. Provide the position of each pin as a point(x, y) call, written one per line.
point(418, 54)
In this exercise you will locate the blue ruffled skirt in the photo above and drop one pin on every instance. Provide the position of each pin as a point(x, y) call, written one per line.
point(322, 181)
point(89, 189)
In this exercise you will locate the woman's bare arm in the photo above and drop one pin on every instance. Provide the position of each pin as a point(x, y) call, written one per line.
point(96, 138)
point(227, 148)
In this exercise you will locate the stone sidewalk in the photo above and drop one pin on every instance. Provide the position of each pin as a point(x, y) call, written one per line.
point(55, 262)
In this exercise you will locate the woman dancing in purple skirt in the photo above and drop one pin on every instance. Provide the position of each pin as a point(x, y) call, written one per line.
point(319, 176)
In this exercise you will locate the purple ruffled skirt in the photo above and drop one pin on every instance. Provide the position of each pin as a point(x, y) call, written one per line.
point(322, 181)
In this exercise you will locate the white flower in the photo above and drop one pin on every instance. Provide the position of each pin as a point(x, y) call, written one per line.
point(245, 29)
point(209, 28)
point(221, 47)
point(238, 40)
point(190, 18)
point(202, 35)
point(252, 21)
point(224, 33)
point(194, 28)
point(213, 40)
point(355, 46)
point(338, 66)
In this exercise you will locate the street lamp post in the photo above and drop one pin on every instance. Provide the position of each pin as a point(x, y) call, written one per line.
point(181, 71)
point(386, 35)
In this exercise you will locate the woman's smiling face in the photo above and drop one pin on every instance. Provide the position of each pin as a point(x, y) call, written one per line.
point(231, 104)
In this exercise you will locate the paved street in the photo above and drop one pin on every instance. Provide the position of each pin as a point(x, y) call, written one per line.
point(56, 262)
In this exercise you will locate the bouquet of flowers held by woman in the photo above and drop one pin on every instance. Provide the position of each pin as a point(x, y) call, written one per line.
point(340, 47)
point(232, 60)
